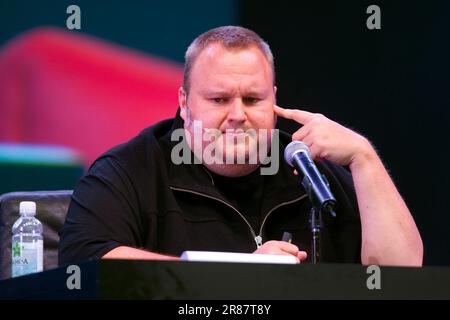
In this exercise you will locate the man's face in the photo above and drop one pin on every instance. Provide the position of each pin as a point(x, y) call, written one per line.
point(232, 91)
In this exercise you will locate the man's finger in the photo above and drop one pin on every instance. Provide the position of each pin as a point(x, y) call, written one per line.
point(287, 247)
point(299, 116)
point(301, 133)
point(302, 255)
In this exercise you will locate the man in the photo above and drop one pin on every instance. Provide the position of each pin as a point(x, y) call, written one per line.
point(138, 201)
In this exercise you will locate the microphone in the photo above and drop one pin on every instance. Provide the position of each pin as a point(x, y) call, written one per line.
point(297, 155)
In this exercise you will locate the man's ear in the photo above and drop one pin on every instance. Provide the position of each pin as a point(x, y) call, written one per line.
point(182, 102)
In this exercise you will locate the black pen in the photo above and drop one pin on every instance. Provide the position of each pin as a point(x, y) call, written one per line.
point(287, 237)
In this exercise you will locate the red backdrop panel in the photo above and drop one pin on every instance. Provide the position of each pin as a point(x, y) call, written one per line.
point(65, 88)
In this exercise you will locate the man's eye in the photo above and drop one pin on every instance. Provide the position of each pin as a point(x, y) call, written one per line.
point(219, 100)
point(250, 100)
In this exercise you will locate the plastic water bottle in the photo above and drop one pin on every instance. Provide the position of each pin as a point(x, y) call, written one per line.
point(27, 242)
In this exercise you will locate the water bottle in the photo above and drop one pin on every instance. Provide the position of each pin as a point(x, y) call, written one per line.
point(27, 241)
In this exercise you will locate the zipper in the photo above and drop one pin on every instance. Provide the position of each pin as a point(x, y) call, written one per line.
point(273, 209)
point(257, 238)
point(209, 174)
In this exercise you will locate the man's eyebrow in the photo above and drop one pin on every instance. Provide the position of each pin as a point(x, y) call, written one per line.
point(222, 92)
point(219, 92)
point(254, 93)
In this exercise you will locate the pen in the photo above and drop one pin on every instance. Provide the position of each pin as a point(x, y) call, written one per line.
point(287, 237)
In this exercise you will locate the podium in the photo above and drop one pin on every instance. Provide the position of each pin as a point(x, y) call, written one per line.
point(135, 279)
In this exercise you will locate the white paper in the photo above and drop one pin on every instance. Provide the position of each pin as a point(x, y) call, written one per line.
point(217, 256)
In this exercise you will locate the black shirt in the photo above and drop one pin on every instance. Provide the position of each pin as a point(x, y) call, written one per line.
point(134, 195)
point(245, 193)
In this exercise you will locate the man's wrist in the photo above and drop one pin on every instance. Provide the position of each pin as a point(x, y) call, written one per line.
point(365, 156)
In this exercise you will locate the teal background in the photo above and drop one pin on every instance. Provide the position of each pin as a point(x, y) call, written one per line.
point(163, 28)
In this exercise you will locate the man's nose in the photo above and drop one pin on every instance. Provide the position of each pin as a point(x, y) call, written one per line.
point(236, 111)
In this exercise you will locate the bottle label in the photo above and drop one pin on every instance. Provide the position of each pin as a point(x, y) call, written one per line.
point(27, 257)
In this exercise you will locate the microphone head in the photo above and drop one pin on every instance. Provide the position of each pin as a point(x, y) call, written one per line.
point(293, 148)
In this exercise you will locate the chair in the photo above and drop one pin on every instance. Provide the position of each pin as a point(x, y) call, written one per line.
point(51, 211)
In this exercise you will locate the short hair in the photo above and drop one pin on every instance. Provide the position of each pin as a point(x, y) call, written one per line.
point(231, 37)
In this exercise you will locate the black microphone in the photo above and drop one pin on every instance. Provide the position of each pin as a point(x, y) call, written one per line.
point(297, 155)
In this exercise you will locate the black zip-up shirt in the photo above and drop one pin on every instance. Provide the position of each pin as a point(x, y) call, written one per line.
point(134, 195)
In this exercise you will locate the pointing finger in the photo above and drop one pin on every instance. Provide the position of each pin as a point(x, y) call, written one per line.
point(299, 116)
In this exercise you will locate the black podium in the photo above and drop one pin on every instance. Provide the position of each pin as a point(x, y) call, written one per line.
point(131, 279)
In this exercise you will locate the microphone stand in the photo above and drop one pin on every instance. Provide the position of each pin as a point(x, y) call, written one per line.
point(298, 155)
point(315, 221)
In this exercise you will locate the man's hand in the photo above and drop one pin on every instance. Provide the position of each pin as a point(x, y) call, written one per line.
point(327, 139)
point(389, 234)
point(282, 248)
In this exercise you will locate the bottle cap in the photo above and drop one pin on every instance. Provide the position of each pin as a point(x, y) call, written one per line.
point(27, 208)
